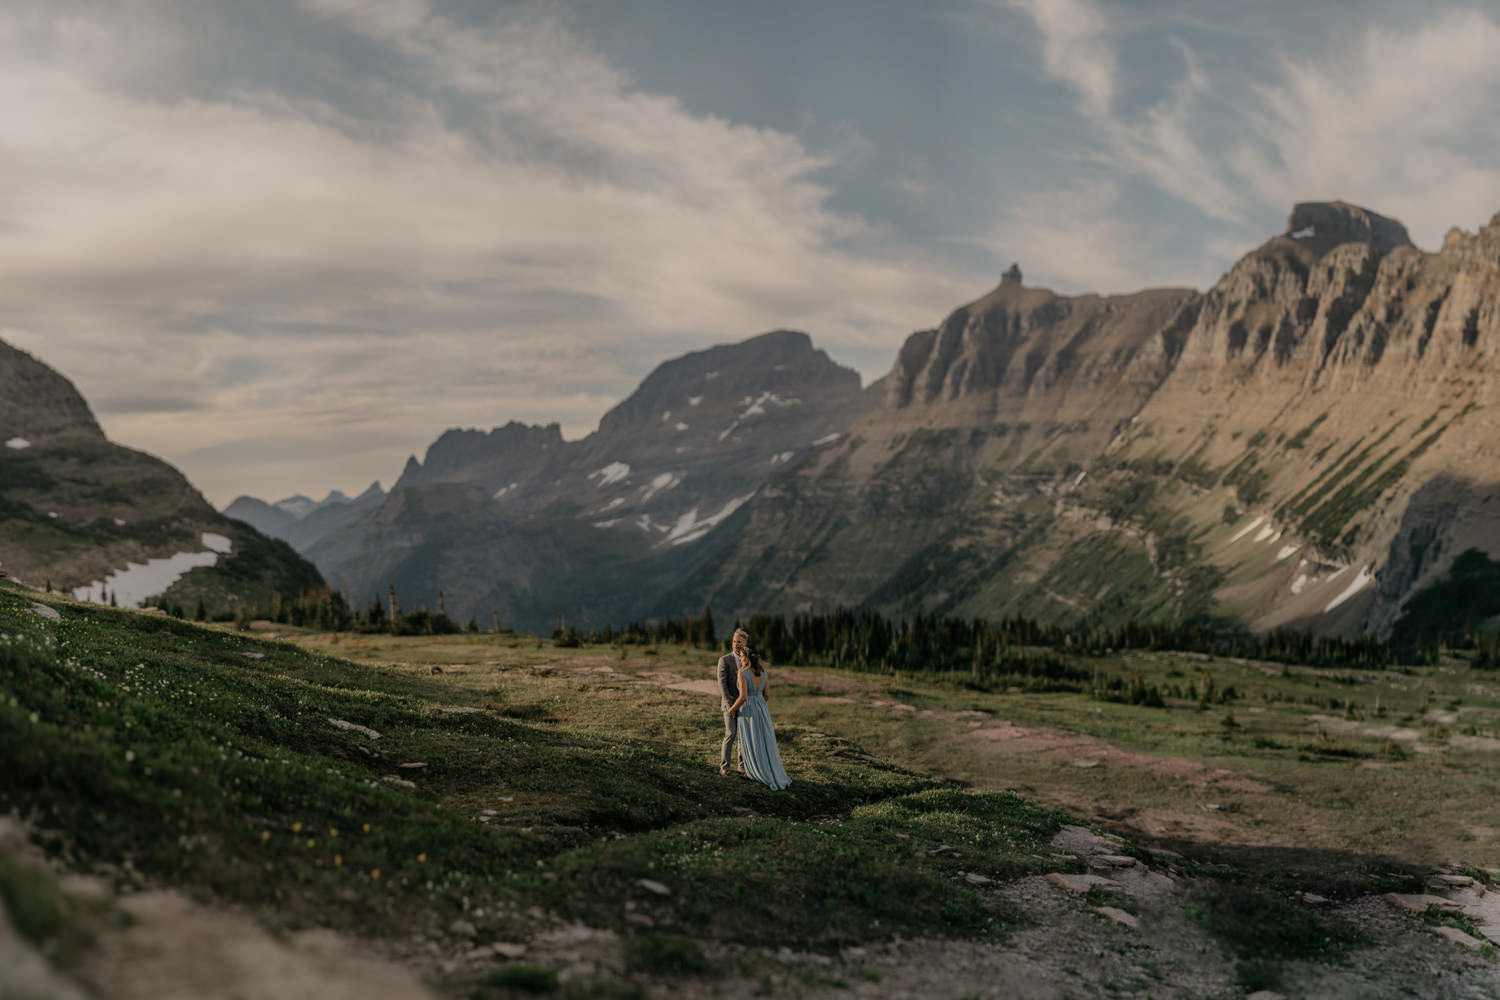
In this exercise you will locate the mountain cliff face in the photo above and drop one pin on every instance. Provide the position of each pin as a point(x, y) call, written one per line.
point(94, 518)
point(1303, 444)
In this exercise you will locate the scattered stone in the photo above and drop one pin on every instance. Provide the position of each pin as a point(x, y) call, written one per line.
point(933, 852)
point(1119, 860)
point(1451, 882)
point(1082, 883)
point(639, 920)
point(413, 765)
point(1265, 995)
point(506, 949)
point(254, 656)
point(480, 954)
point(391, 779)
point(1490, 931)
point(1119, 916)
point(975, 879)
point(354, 727)
point(463, 928)
point(1086, 762)
point(43, 611)
point(1419, 902)
point(1314, 899)
point(651, 885)
point(1458, 937)
point(461, 710)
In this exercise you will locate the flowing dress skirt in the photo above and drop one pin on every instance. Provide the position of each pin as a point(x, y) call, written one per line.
point(758, 750)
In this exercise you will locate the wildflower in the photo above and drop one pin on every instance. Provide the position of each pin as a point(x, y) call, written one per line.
point(338, 861)
point(297, 827)
point(367, 828)
point(265, 835)
point(421, 859)
point(333, 831)
point(311, 842)
point(129, 756)
point(375, 873)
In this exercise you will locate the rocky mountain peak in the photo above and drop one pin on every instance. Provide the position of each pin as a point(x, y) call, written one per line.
point(38, 403)
point(1323, 225)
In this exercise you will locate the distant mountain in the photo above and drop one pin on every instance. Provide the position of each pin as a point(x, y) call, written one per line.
point(100, 520)
point(301, 521)
point(675, 460)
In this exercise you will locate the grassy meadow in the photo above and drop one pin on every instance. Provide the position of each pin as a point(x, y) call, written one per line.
point(429, 791)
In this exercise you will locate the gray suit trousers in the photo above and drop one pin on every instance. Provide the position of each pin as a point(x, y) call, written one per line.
point(731, 730)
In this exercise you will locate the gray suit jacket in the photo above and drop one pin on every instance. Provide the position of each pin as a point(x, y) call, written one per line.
point(729, 679)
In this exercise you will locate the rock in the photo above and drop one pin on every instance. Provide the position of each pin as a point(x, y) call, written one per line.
point(1265, 995)
point(1451, 882)
point(639, 920)
point(354, 727)
point(1419, 902)
point(1119, 860)
point(391, 779)
point(460, 710)
point(1490, 931)
point(463, 928)
point(933, 852)
point(1119, 916)
point(254, 656)
point(43, 611)
point(413, 765)
point(651, 885)
point(975, 879)
point(1087, 762)
point(1458, 937)
point(506, 949)
point(1083, 883)
point(1314, 899)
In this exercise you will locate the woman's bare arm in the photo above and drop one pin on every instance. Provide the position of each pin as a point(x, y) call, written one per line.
point(743, 694)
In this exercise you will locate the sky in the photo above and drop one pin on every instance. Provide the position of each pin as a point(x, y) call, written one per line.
point(283, 245)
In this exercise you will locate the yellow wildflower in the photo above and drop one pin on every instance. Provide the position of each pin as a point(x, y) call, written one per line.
point(375, 873)
point(421, 859)
point(311, 842)
point(338, 860)
point(367, 828)
point(297, 827)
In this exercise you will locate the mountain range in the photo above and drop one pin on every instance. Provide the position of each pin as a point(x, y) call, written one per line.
point(1303, 444)
point(82, 514)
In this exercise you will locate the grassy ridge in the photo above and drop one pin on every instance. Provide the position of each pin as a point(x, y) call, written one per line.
point(206, 759)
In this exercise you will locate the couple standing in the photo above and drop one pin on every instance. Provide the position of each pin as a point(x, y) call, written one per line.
point(742, 688)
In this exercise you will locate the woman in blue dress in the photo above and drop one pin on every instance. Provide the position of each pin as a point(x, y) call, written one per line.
point(758, 752)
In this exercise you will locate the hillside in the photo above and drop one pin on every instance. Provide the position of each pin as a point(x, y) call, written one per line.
point(88, 516)
point(527, 819)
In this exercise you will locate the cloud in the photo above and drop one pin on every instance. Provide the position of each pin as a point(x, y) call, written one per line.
point(1076, 48)
point(481, 235)
point(1404, 122)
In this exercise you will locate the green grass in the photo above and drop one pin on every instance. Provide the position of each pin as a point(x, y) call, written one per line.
point(207, 759)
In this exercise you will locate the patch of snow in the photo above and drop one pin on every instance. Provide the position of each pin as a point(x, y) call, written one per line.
point(666, 416)
point(728, 430)
point(611, 473)
point(758, 407)
point(1247, 529)
point(614, 503)
point(18, 443)
point(694, 400)
point(608, 524)
point(1305, 234)
point(138, 581)
point(647, 525)
point(1299, 583)
point(827, 439)
point(689, 529)
point(785, 456)
point(216, 543)
point(1286, 550)
point(665, 481)
point(504, 490)
point(52, 513)
point(1361, 581)
point(119, 523)
point(681, 426)
point(45, 611)
point(712, 375)
point(1265, 533)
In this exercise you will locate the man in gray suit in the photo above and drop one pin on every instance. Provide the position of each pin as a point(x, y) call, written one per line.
point(729, 692)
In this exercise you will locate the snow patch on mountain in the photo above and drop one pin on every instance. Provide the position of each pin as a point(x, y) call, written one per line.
point(665, 481)
point(1360, 582)
point(17, 443)
point(689, 528)
point(611, 473)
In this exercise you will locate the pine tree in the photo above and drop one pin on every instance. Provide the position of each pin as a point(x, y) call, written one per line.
point(201, 613)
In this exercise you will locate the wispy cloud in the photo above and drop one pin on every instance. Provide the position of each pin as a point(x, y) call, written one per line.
point(1076, 48)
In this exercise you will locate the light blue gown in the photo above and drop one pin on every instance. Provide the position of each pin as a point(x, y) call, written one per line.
point(758, 750)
